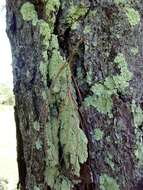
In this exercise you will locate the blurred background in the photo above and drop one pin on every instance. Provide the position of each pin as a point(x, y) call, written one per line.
point(8, 164)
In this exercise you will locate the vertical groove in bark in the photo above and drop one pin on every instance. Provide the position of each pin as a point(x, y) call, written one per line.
point(20, 154)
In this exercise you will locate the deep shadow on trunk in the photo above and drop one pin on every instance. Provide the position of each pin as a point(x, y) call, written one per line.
point(78, 80)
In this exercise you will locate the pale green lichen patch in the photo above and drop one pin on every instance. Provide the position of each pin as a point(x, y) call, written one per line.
point(62, 134)
point(120, 1)
point(89, 76)
point(109, 161)
point(56, 63)
point(139, 153)
point(87, 29)
point(75, 12)
point(29, 13)
point(38, 144)
point(43, 69)
point(134, 51)
point(54, 44)
point(65, 132)
point(108, 183)
point(52, 158)
point(102, 92)
point(45, 31)
point(138, 120)
point(98, 133)
point(133, 16)
point(62, 183)
point(72, 138)
point(137, 114)
point(36, 125)
point(122, 80)
point(36, 188)
point(51, 6)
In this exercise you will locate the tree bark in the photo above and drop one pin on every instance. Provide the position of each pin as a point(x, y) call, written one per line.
point(78, 78)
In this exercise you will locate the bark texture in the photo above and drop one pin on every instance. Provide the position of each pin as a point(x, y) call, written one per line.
point(78, 78)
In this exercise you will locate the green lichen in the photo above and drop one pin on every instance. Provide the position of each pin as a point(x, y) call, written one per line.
point(38, 144)
point(121, 1)
point(72, 138)
point(36, 126)
point(56, 62)
point(109, 161)
point(43, 70)
point(137, 114)
point(101, 99)
point(138, 120)
point(51, 6)
point(93, 13)
point(62, 183)
point(89, 77)
point(98, 134)
point(134, 51)
point(75, 12)
point(54, 42)
point(36, 188)
point(58, 68)
point(133, 16)
point(65, 132)
point(87, 29)
point(52, 158)
point(122, 80)
point(62, 132)
point(45, 32)
point(29, 13)
point(102, 92)
point(108, 183)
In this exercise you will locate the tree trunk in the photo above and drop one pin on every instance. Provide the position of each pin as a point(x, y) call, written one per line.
point(78, 78)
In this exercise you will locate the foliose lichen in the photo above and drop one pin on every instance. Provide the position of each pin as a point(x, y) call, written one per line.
point(72, 138)
point(137, 114)
point(39, 144)
point(98, 134)
point(133, 16)
point(109, 161)
point(29, 13)
point(63, 131)
point(62, 183)
point(138, 120)
point(120, 1)
point(103, 91)
point(36, 188)
point(108, 183)
point(51, 6)
point(134, 51)
point(75, 12)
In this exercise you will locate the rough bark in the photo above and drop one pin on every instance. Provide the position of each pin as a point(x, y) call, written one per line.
point(77, 68)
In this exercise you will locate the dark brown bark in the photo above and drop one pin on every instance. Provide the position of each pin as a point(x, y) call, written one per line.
point(103, 30)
